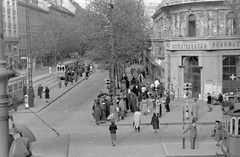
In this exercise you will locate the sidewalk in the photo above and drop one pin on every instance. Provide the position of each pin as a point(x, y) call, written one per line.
point(174, 117)
point(55, 93)
point(204, 149)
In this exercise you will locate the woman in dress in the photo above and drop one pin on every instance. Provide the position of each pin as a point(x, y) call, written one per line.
point(47, 96)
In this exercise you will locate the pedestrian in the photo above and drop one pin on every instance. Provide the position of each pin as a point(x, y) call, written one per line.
point(15, 102)
point(113, 128)
point(167, 102)
point(47, 94)
point(137, 120)
point(133, 101)
point(193, 134)
point(97, 113)
point(155, 122)
point(225, 105)
point(218, 132)
point(122, 107)
point(103, 109)
point(76, 77)
point(144, 106)
point(220, 98)
point(209, 102)
point(159, 106)
point(40, 90)
point(195, 109)
point(59, 83)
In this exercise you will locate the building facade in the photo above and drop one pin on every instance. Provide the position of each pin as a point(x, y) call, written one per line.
point(10, 31)
point(36, 14)
point(195, 43)
point(39, 10)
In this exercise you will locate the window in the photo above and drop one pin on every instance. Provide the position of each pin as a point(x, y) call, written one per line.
point(15, 86)
point(231, 67)
point(9, 48)
point(233, 121)
point(230, 24)
point(10, 89)
point(191, 25)
point(238, 126)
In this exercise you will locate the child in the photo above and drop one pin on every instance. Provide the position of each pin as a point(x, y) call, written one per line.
point(113, 129)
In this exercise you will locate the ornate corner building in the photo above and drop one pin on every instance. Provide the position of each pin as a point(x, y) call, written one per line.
point(194, 42)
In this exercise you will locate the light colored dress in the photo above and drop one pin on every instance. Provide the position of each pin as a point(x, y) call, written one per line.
point(137, 119)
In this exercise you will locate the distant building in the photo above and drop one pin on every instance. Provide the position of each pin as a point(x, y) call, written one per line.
point(38, 11)
point(150, 8)
point(194, 42)
point(10, 26)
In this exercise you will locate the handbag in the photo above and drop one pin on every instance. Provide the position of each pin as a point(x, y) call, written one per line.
point(213, 133)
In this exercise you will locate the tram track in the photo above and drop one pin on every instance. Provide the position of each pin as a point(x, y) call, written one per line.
point(50, 81)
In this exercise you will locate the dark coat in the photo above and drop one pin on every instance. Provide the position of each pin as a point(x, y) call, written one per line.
point(40, 90)
point(155, 122)
point(47, 91)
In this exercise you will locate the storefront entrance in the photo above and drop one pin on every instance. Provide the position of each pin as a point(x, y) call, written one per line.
point(192, 75)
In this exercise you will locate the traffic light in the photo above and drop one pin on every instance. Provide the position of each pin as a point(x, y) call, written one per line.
point(107, 81)
point(187, 86)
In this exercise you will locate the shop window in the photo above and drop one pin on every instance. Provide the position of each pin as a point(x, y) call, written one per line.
point(192, 25)
point(231, 67)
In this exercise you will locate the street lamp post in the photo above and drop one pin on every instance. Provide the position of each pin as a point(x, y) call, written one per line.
point(112, 54)
point(30, 83)
point(5, 74)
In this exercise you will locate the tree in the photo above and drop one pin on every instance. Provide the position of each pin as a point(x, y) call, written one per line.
point(129, 28)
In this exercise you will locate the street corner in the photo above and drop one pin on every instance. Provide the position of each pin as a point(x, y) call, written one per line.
point(203, 149)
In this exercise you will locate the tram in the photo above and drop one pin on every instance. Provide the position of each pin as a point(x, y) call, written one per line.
point(231, 130)
point(16, 86)
point(62, 67)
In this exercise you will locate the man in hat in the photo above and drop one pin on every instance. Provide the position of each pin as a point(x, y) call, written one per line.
point(193, 133)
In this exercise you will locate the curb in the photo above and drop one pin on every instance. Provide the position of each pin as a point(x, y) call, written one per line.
point(166, 124)
point(61, 94)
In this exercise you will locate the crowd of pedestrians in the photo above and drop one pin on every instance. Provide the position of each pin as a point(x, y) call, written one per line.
point(137, 97)
point(72, 74)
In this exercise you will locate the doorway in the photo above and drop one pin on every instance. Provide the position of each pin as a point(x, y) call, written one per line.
point(192, 74)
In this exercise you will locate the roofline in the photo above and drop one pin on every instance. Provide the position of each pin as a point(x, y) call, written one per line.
point(32, 7)
point(182, 3)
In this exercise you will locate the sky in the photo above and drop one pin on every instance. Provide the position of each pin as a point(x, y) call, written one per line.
point(82, 2)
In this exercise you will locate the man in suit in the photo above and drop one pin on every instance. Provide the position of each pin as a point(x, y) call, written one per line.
point(193, 133)
point(40, 90)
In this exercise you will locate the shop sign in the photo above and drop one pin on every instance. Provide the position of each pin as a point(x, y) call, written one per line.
point(203, 45)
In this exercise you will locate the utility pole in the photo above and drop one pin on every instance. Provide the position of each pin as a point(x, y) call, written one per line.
point(5, 74)
point(30, 83)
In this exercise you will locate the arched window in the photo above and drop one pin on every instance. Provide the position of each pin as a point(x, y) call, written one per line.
point(230, 24)
point(192, 25)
